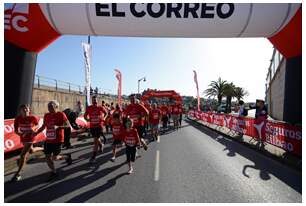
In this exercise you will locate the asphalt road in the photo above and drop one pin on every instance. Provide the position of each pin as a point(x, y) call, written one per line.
point(193, 164)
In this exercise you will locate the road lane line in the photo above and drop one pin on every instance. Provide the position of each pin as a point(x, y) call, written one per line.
point(156, 172)
point(158, 139)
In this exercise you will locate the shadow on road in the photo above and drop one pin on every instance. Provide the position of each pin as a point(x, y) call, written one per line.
point(93, 192)
point(50, 191)
point(260, 163)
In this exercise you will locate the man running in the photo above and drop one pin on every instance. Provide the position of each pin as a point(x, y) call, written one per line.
point(24, 126)
point(137, 113)
point(95, 115)
point(154, 118)
point(175, 115)
point(164, 113)
point(54, 122)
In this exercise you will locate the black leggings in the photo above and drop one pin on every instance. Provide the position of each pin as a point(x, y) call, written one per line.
point(130, 153)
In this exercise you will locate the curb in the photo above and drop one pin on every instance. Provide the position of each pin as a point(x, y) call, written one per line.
point(270, 151)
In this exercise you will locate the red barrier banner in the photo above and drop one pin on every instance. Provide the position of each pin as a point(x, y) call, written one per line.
point(282, 135)
point(12, 141)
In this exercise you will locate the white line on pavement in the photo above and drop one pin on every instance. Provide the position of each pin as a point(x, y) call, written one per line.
point(156, 172)
point(158, 139)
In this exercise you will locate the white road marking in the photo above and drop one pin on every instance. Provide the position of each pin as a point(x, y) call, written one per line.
point(156, 172)
point(158, 139)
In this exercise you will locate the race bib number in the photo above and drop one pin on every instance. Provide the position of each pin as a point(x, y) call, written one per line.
point(155, 116)
point(95, 120)
point(51, 133)
point(116, 131)
point(130, 142)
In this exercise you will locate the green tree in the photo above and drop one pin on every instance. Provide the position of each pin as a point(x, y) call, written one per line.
point(229, 92)
point(240, 93)
point(216, 89)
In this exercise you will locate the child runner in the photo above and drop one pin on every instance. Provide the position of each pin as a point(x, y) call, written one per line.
point(132, 140)
point(25, 125)
point(118, 131)
point(154, 117)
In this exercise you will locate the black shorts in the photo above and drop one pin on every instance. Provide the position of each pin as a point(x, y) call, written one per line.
point(96, 132)
point(164, 119)
point(130, 153)
point(52, 148)
point(117, 141)
point(140, 131)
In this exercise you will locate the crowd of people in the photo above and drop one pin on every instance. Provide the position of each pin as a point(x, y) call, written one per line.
point(132, 125)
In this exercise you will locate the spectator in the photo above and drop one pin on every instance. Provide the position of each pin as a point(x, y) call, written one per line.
point(71, 116)
point(242, 110)
point(79, 108)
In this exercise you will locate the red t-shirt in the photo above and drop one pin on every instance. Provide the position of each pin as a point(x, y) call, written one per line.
point(155, 116)
point(136, 113)
point(131, 137)
point(54, 119)
point(118, 130)
point(96, 116)
point(25, 125)
point(175, 110)
point(164, 110)
point(180, 110)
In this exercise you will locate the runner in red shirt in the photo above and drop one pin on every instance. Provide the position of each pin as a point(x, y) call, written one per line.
point(118, 131)
point(137, 113)
point(169, 113)
point(154, 117)
point(132, 140)
point(24, 126)
point(164, 113)
point(54, 122)
point(118, 111)
point(96, 116)
point(175, 115)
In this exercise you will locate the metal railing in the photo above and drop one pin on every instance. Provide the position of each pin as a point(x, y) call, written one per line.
point(59, 85)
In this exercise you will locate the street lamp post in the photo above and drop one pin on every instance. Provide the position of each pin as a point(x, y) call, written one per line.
point(139, 80)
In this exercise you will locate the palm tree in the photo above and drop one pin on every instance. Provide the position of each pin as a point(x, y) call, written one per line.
point(240, 93)
point(216, 89)
point(229, 92)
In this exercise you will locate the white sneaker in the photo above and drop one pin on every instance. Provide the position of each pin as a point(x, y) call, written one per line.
point(113, 159)
point(130, 171)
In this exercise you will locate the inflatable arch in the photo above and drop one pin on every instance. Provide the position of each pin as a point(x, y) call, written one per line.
point(29, 28)
point(161, 94)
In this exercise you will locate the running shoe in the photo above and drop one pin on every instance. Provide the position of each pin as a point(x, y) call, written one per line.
point(92, 160)
point(113, 159)
point(130, 171)
point(16, 178)
point(69, 159)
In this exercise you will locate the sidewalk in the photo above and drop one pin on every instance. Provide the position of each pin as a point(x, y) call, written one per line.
point(269, 150)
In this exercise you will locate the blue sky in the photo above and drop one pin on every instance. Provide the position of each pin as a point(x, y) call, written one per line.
point(167, 63)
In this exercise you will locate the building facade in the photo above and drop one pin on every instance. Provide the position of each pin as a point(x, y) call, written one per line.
point(284, 88)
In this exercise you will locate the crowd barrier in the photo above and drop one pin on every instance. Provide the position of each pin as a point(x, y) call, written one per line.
point(12, 140)
point(283, 135)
